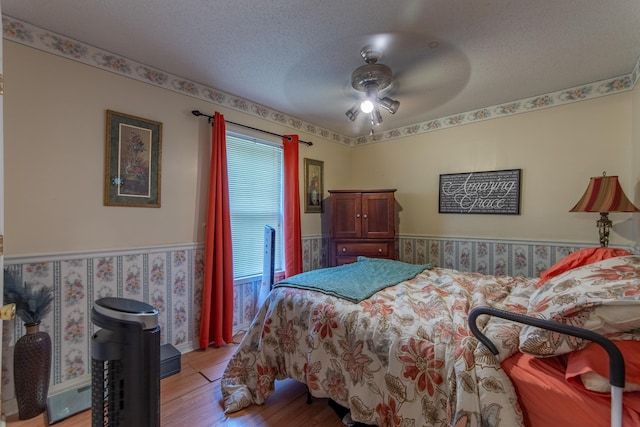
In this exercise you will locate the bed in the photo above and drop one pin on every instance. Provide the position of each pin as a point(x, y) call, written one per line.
point(400, 352)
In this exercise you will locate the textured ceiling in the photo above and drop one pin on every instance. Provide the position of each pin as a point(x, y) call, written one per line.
point(296, 57)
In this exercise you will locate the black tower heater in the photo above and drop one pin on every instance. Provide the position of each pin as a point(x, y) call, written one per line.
point(125, 368)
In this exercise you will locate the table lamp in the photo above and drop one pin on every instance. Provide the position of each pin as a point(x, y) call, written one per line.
point(604, 194)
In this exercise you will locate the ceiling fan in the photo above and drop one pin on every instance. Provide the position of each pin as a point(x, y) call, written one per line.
point(372, 79)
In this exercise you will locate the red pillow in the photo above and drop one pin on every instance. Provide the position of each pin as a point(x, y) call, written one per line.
point(592, 364)
point(579, 258)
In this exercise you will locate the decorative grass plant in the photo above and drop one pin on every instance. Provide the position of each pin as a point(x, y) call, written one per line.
point(32, 304)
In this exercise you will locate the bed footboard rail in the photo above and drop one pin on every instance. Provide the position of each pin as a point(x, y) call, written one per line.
point(616, 360)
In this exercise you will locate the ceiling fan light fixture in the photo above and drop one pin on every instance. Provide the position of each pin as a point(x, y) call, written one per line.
point(366, 106)
point(389, 104)
point(371, 91)
point(372, 79)
point(353, 112)
point(376, 117)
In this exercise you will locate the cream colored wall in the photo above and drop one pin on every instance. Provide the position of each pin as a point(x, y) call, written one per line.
point(54, 124)
point(54, 161)
point(558, 149)
point(635, 158)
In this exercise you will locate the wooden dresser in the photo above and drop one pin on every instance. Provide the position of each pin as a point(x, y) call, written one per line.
point(362, 224)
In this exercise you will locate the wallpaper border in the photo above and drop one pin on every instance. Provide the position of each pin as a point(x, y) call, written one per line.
point(60, 45)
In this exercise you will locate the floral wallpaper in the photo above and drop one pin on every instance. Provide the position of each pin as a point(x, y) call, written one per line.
point(167, 280)
point(170, 279)
point(527, 259)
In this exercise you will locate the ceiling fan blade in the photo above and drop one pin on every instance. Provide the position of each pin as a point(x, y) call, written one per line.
point(421, 66)
point(428, 77)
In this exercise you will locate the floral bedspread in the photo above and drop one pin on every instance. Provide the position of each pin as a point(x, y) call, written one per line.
point(403, 357)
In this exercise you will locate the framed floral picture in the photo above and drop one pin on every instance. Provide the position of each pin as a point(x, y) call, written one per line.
point(313, 190)
point(132, 161)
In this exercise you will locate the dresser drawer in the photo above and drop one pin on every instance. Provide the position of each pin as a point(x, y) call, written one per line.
point(342, 260)
point(372, 249)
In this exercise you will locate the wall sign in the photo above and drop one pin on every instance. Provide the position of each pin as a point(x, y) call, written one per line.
point(492, 192)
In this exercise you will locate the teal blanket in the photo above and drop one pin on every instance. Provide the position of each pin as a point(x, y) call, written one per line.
point(357, 281)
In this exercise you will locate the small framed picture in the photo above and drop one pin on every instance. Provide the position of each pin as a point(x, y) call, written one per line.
point(313, 189)
point(132, 161)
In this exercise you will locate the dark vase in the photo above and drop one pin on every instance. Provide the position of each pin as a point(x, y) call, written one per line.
point(32, 367)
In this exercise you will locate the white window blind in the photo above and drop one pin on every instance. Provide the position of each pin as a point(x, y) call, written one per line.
point(255, 199)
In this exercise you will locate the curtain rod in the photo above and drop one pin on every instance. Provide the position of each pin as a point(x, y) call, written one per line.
point(198, 113)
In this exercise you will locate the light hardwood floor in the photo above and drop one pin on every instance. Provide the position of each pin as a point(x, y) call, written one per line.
point(192, 398)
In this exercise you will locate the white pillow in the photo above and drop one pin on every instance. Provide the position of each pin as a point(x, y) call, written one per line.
point(595, 382)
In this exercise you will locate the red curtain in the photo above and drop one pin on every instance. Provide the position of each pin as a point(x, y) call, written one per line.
point(292, 234)
point(216, 321)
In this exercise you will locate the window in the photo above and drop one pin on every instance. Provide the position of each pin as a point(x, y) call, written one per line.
point(255, 199)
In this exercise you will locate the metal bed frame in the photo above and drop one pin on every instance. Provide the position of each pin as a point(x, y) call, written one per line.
point(616, 360)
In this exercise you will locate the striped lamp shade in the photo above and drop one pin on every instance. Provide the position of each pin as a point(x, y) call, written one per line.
point(604, 194)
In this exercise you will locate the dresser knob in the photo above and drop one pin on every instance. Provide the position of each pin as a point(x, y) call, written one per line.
point(379, 250)
point(357, 215)
point(364, 216)
point(344, 249)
